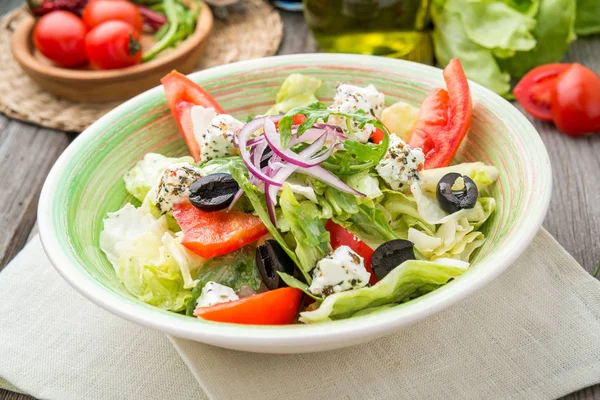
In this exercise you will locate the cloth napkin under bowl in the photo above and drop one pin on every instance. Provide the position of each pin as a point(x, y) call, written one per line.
point(533, 333)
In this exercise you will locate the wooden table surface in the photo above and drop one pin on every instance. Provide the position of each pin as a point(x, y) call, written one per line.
point(27, 153)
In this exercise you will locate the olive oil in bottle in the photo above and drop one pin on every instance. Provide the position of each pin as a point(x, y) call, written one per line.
point(391, 28)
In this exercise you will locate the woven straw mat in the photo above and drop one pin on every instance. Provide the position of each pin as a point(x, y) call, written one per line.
point(241, 37)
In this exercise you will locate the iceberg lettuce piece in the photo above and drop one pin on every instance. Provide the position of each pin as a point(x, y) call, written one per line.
point(483, 175)
point(146, 173)
point(296, 91)
point(150, 262)
point(410, 279)
point(366, 184)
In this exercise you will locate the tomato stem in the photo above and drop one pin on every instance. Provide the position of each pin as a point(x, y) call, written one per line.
point(134, 45)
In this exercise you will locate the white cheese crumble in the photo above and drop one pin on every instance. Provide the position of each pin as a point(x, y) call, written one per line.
point(215, 293)
point(174, 185)
point(349, 99)
point(214, 132)
point(401, 165)
point(340, 271)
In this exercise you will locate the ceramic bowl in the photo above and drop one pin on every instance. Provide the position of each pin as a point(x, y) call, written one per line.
point(97, 86)
point(86, 183)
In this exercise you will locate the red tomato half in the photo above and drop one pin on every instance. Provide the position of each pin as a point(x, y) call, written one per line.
point(60, 36)
point(99, 11)
point(277, 307)
point(182, 94)
point(576, 101)
point(112, 45)
point(211, 234)
point(444, 118)
point(534, 91)
point(339, 236)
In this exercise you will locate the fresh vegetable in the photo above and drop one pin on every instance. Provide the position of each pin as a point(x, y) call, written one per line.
point(587, 19)
point(182, 94)
point(391, 254)
point(483, 175)
point(576, 101)
point(534, 91)
point(271, 259)
point(235, 270)
point(277, 307)
point(211, 234)
point(410, 279)
point(60, 36)
point(339, 236)
point(99, 11)
point(297, 90)
point(213, 192)
point(452, 198)
point(112, 45)
point(499, 39)
point(399, 118)
point(444, 118)
point(40, 8)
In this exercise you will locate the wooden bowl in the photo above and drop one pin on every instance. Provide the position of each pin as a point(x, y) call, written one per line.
point(97, 86)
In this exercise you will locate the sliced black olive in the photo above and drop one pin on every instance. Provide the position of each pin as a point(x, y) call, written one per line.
point(266, 156)
point(213, 192)
point(452, 200)
point(270, 258)
point(391, 254)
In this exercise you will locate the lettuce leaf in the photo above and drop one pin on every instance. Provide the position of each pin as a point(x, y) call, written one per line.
point(146, 173)
point(296, 91)
point(312, 240)
point(150, 262)
point(587, 19)
point(483, 175)
point(235, 269)
point(410, 279)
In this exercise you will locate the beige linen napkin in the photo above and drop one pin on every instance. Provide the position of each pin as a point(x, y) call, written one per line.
point(532, 333)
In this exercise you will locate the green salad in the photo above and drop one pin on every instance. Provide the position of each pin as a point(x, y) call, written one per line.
point(310, 213)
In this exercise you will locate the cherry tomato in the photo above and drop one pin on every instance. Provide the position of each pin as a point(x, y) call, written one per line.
point(576, 101)
point(296, 120)
point(113, 44)
point(182, 94)
point(534, 91)
point(339, 236)
point(211, 234)
point(60, 36)
point(444, 118)
point(99, 11)
point(277, 307)
point(377, 136)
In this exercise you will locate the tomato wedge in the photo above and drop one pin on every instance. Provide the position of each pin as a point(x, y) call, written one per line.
point(534, 91)
point(182, 94)
point(339, 236)
point(444, 118)
point(576, 101)
point(277, 307)
point(211, 234)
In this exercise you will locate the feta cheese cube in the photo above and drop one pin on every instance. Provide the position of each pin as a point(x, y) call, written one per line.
point(214, 132)
point(401, 165)
point(349, 99)
point(174, 185)
point(340, 271)
point(215, 293)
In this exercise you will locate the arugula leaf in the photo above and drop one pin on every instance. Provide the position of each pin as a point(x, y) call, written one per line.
point(356, 157)
point(295, 283)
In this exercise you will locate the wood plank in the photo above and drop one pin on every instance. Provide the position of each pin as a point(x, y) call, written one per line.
point(26, 155)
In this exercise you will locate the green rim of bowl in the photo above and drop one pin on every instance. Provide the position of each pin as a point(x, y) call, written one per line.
point(295, 337)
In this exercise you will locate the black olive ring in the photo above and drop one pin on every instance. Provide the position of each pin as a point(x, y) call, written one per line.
point(451, 200)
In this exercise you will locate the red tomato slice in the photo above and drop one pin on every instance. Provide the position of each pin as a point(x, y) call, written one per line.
point(534, 91)
point(339, 236)
point(444, 118)
point(377, 136)
point(211, 234)
point(182, 94)
point(277, 307)
point(576, 101)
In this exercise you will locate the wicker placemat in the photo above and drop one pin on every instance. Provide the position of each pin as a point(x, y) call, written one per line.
point(241, 37)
